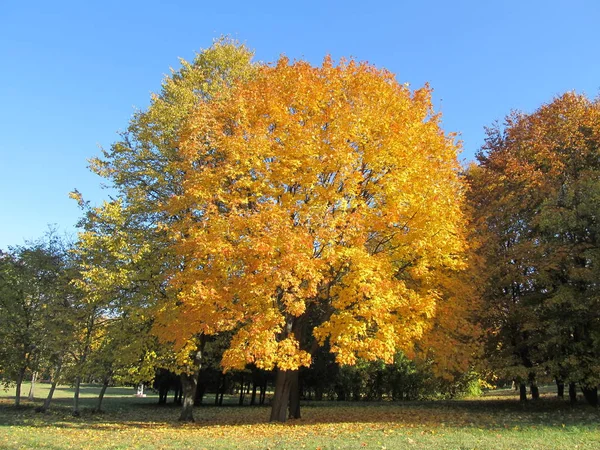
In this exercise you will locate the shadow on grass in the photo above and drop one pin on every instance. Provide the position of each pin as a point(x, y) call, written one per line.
point(490, 413)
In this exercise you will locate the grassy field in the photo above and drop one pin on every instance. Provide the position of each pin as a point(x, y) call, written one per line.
point(496, 421)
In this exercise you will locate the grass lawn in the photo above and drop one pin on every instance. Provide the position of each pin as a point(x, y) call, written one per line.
point(496, 421)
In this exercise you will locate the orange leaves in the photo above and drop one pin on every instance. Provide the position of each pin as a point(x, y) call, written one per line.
point(316, 201)
point(533, 196)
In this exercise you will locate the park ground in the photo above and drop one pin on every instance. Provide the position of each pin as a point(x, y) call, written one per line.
point(494, 421)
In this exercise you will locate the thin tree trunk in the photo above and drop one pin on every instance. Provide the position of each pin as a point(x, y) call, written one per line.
point(101, 395)
point(560, 388)
point(76, 412)
point(55, 379)
point(20, 377)
point(523, 392)
point(200, 390)
point(242, 393)
point(31, 396)
point(86, 350)
point(535, 391)
point(178, 394)
point(591, 395)
point(572, 393)
point(219, 376)
point(253, 397)
point(263, 393)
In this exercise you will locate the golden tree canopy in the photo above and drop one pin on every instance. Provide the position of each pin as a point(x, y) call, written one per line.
point(319, 203)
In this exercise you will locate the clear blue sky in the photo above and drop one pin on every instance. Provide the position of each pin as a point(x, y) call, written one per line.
point(72, 73)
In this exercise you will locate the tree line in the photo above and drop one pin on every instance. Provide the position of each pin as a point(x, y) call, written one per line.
point(301, 218)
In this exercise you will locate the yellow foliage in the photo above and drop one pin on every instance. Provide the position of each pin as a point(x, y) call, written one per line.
point(317, 201)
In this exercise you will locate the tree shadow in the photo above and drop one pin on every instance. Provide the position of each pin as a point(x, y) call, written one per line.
point(489, 413)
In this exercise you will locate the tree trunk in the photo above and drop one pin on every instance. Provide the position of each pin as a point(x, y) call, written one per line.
point(178, 395)
point(535, 391)
point(285, 382)
point(591, 395)
point(572, 393)
point(76, 412)
point(55, 379)
point(295, 395)
point(241, 400)
point(20, 377)
point(189, 385)
point(48, 400)
point(318, 393)
point(219, 382)
point(86, 350)
point(162, 395)
point(200, 390)
point(31, 396)
point(101, 395)
point(263, 393)
point(523, 392)
point(253, 397)
point(560, 388)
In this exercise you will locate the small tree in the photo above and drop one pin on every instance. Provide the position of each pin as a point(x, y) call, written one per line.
point(35, 307)
point(141, 167)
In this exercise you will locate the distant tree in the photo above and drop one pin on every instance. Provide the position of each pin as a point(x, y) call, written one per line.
point(536, 193)
point(35, 307)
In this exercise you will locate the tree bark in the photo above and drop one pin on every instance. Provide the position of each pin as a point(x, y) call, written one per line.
point(31, 396)
point(286, 396)
point(242, 394)
point(523, 392)
point(219, 382)
point(295, 395)
point(101, 395)
point(281, 398)
point(178, 394)
point(263, 393)
point(253, 397)
point(76, 412)
point(535, 391)
point(55, 379)
point(20, 377)
point(560, 388)
point(533, 387)
point(591, 395)
point(86, 350)
point(572, 393)
point(189, 385)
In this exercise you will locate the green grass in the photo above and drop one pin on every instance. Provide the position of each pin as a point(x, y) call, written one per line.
point(496, 421)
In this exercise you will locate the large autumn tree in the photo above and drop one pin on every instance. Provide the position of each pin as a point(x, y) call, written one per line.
point(318, 204)
point(536, 192)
